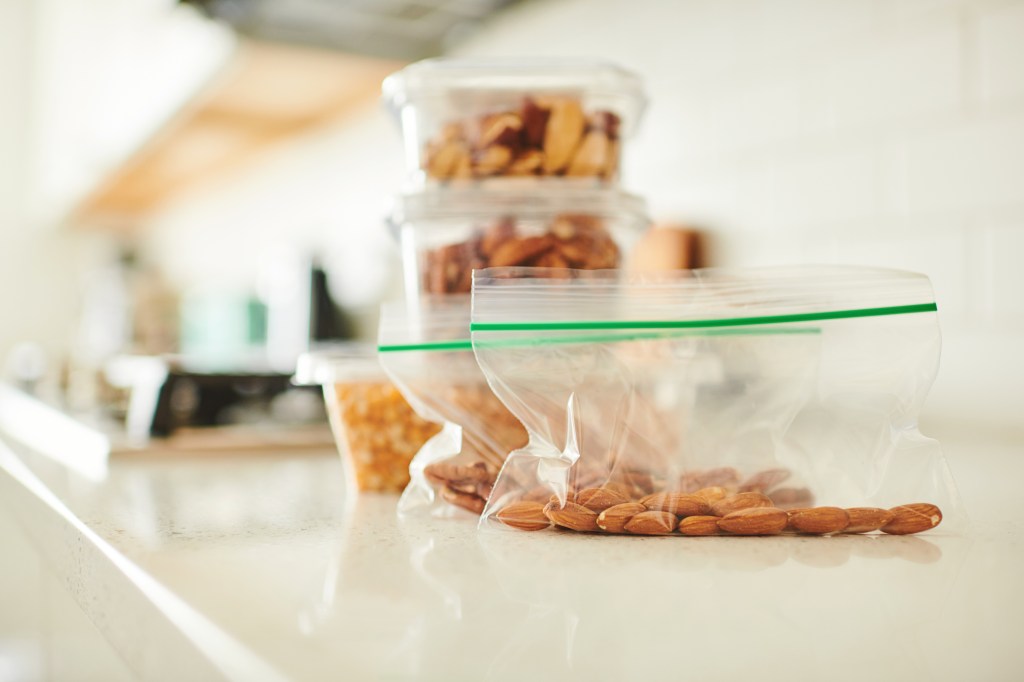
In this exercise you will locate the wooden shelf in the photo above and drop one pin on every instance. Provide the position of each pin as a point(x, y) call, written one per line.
point(266, 94)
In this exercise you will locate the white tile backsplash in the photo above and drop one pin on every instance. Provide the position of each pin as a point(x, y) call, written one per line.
point(755, 115)
point(824, 189)
point(1005, 245)
point(1001, 40)
point(909, 73)
point(881, 132)
point(974, 165)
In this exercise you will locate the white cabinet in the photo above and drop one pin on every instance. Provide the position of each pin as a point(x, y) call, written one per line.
point(105, 76)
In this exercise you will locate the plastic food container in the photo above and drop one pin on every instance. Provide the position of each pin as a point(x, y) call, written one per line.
point(376, 431)
point(470, 119)
point(446, 234)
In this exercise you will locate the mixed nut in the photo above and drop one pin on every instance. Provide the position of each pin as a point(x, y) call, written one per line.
point(544, 136)
point(575, 241)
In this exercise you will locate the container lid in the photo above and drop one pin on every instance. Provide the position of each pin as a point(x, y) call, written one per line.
point(433, 77)
point(518, 197)
point(435, 322)
point(351, 361)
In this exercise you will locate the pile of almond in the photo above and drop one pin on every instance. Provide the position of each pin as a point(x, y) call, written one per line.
point(544, 136)
point(489, 433)
point(712, 510)
point(574, 241)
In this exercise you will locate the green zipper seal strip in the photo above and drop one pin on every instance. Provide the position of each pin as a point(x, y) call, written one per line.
point(466, 344)
point(693, 324)
point(461, 344)
point(708, 325)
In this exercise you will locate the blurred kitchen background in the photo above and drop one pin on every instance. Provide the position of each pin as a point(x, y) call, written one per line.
point(212, 177)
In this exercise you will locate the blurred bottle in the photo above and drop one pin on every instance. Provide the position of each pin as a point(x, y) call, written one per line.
point(327, 322)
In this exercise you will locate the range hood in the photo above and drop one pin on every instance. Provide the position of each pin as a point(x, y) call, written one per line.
point(295, 65)
point(265, 94)
point(403, 30)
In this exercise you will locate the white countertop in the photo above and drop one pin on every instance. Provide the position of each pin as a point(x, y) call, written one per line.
point(259, 567)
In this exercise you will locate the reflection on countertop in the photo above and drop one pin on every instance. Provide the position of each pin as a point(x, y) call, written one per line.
point(297, 579)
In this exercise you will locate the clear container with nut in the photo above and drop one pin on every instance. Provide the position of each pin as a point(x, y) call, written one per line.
point(472, 119)
point(445, 235)
point(376, 431)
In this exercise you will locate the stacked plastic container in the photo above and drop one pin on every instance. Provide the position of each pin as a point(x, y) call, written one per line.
point(512, 163)
point(509, 163)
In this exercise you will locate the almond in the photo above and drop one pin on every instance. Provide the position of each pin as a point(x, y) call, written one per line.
point(754, 521)
point(680, 504)
point(613, 519)
point(492, 160)
point(605, 254)
point(445, 267)
point(791, 498)
point(819, 520)
point(572, 516)
point(913, 518)
point(712, 494)
point(465, 500)
point(599, 499)
point(562, 134)
point(524, 516)
point(578, 250)
point(652, 523)
point(740, 501)
point(867, 519)
point(527, 163)
point(791, 512)
point(444, 159)
point(766, 480)
point(496, 235)
point(591, 156)
point(725, 477)
point(501, 129)
point(464, 486)
point(551, 259)
point(699, 525)
point(518, 251)
point(447, 470)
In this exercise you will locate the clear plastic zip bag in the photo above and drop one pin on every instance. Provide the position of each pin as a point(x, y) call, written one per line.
point(427, 353)
point(715, 402)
